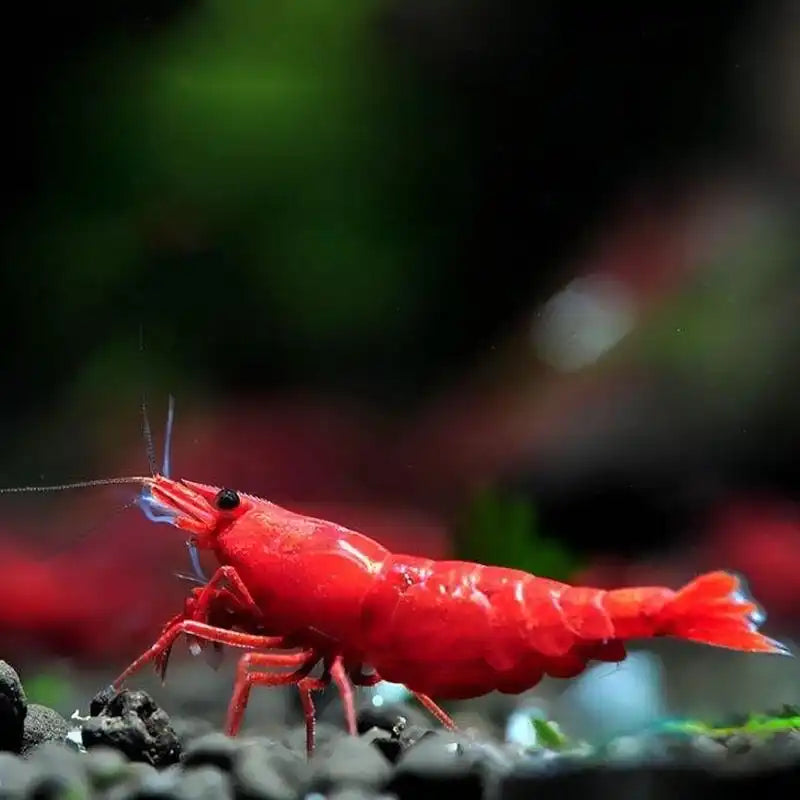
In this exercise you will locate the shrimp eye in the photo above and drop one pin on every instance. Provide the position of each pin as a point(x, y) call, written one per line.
point(226, 500)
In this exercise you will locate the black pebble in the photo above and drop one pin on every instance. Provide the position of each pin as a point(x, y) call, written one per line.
point(42, 724)
point(266, 770)
point(13, 708)
point(388, 744)
point(411, 734)
point(101, 700)
point(349, 761)
point(132, 723)
point(434, 765)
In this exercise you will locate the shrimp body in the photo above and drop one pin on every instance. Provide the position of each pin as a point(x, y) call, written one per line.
point(447, 629)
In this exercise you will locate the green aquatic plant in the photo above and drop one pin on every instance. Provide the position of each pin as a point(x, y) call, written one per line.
point(47, 690)
point(787, 719)
point(502, 528)
point(549, 735)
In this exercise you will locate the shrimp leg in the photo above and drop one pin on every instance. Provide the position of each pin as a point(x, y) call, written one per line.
point(246, 679)
point(206, 633)
point(440, 714)
point(360, 679)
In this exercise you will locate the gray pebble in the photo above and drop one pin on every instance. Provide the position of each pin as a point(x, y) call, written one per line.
point(296, 738)
point(156, 785)
point(437, 764)
point(205, 783)
point(42, 724)
point(708, 748)
point(58, 771)
point(443, 754)
point(349, 760)
point(140, 771)
point(741, 743)
point(106, 767)
point(15, 774)
point(215, 749)
point(13, 707)
point(357, 793)
point(270, 771)
point(787, 742)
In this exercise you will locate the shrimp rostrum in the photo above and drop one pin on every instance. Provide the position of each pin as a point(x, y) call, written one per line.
point(445, 629)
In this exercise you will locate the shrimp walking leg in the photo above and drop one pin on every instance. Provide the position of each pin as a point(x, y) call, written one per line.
point(305, 687)
point(339, 677)
point(437, 712)
point(246, 679)
point(200, 631)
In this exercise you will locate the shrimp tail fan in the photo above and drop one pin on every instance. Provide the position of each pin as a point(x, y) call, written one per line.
point(716, 609)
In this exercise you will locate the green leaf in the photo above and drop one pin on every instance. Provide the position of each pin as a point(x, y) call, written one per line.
point(548, 734)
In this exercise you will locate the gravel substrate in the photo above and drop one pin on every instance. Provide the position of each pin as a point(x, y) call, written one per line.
point(129, 748)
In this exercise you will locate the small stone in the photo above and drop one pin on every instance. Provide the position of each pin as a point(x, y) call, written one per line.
point(13, 708)
point(205, 783)
point(106, 767)
point(296, 738)
point(155, 785)
point(708, 748)
point(787, 742)
point(101, 700)
point(349, 760)
point(438, 763)
point(738, 744)
point(42, 724)
point(265, 770)
point(387, 744)
point(357, 793)
point(15, 775)
point(215, 749)
point(132, 723)
point(59, 771)
point(411, 734)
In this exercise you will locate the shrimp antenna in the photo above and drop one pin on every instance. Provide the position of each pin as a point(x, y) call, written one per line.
point(146, 429)
point(141, 481)
point(165, 469)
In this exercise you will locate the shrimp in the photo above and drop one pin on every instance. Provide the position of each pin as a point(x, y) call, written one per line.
point(451, 630)
point(445, 629)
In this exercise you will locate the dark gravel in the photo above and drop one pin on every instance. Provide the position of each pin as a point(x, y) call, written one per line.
point(131, 722)
point(134, 752)
point(42, 724)
point(13, 708)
